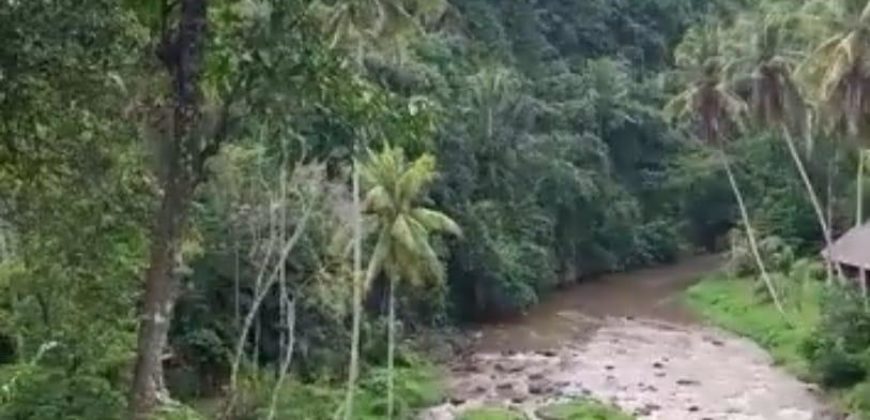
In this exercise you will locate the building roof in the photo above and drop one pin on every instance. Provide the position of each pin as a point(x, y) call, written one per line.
point(852, 249)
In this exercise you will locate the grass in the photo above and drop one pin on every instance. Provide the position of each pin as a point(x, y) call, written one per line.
point(738, 306)
point(418, 385)
point(580, 409)
point(583, 409)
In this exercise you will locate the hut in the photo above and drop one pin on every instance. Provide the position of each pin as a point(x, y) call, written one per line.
point(852, 253)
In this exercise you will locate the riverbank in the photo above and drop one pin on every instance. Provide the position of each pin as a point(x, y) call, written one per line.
point(797, 341)
point(653, 360)
point(737, 305)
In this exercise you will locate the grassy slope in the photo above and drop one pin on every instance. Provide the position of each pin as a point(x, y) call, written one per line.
point(736, 305)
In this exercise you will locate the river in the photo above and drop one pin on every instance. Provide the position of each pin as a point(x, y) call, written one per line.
point(627, 339)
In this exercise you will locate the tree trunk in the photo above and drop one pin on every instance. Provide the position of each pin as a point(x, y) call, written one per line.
point(161, 285)
point(859, 207)
point(290, 320)
point(353, 371)
point(391, 350)
point(282, 273)
point(750, 234)
point(237, 315)
point(182, 55)
point(814, 198)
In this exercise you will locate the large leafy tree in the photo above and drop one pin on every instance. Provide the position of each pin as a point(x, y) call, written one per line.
point(217, 61)
point(74, 198)
point(709, 103)
point(403, 250)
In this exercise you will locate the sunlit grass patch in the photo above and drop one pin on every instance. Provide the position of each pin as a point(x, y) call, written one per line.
point(738, 306)
point(583, 409)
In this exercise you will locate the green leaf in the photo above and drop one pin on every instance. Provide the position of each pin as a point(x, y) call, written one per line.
point(435, 221)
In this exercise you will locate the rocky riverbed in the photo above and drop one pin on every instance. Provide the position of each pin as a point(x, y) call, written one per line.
point(655, 362)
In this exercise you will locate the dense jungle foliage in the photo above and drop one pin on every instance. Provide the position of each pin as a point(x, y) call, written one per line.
point(218, 207)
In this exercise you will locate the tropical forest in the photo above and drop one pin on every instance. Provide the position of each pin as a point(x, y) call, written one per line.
point(434, 209)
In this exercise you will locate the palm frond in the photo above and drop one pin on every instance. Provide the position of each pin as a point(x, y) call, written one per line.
point(680, 106)
point(415, 178)
point(435, 221)
point(401, 233)
point(378, 200)
point(429, 265)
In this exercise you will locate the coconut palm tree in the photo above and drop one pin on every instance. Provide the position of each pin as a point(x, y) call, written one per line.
point(840, 70)
point(361, 27)
point(403, 251)
point(710, 103)
point(776, 102)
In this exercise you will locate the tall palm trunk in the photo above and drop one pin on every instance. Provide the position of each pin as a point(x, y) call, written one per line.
point(750, 234)
point(353, 371)
point(391, 350)
point(814, 198)
point(859, 207)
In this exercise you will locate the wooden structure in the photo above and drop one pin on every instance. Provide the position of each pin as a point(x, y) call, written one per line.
point(852, 253)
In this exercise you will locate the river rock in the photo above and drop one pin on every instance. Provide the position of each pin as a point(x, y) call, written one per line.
point(688, 382)
point(685, 375)
point(540, 387)
point(547, 353)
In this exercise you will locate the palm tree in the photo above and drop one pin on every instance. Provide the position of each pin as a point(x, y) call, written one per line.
point(777, 102)
point(403, 250)
point(840, 70)
point(361, 27)
point(709, 101)
point(494, 91)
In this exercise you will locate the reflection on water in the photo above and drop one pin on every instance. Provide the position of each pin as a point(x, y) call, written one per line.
point(572, 314)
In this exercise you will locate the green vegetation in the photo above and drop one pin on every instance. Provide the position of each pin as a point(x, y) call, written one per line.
point(240, 205)
point(822, 339)
point(582, 410)
point(735, 304)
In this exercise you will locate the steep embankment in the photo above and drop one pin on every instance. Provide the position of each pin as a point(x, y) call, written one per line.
point(628, 340)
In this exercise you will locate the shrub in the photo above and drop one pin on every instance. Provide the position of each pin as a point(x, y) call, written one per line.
point(777, 255)
point(834, 368)
point(858, 400)
point(416, 382)
point(32, 392)
point(838, 347)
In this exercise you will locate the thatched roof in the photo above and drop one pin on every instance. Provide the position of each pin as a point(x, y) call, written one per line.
point(852, 249)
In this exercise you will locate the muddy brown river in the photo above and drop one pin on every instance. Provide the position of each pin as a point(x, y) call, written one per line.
point(627, 339)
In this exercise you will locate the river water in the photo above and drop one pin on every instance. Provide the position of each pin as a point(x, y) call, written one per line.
point(626, 339)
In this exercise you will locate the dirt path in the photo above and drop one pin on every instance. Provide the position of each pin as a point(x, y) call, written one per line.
point(628, 340)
